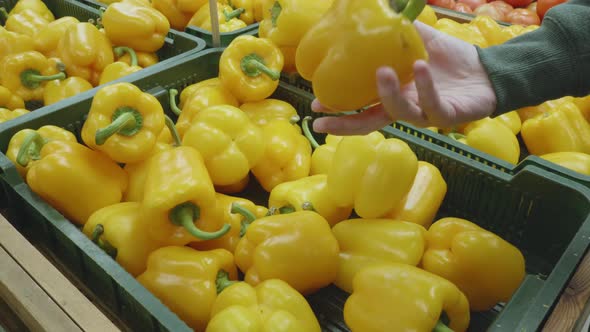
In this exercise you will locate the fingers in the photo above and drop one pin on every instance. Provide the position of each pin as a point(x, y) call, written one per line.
point(428, 96)
point(357, 124)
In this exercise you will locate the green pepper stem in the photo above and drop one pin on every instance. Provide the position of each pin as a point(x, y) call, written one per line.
point(3, 13)
point(307, 206)
point(222, 281)
point(275, 12)
point(30, 149)
point(120, 50)
point(126, 121)
point(173, 106)
point(185, 214)
point(294, 119)
point(441, 327)
point(249, 217)
point(456, 136)
point(233, 14)
point(308, 134)
point(103, 244)
point(173, 131)
point(413, 8)
point(32, 78)
point(253, 65)
point(286, 209)
point(271, 211)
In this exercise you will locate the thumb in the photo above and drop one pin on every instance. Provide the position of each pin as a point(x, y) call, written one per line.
point(427, 32)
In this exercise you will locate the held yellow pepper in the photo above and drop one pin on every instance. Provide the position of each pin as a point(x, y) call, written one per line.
point(250, 68)
point(7, 115)
point(178, 12)
point(340, 80)
point(179, 198)
point(47, 39)
point(228, 141)
point(186, 280)
point(144, 59)
point(287, 155)
point(304, 237)
point(10, 100)
point(37, 6)
point(371, 173)
point(563, 130)
point(191, 89)
point(264, 111)
point(321, 158)
point(401, 297)
point(118, 230)
point(271, 306)
point(427, 16)
point(26, 22)
point(85, 51)
point(366, 242)
point(72, 178)
point(576, 161)
point(119, 69)
point(58, 90)
point(137, 26)
point(510, 120)
point(13, 43)
point(226, 16)
point(123, 122)
point(424, 198)
point(469, 256)
point(308, 193)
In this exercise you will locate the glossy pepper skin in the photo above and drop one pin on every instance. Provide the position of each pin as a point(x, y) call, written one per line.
point(467, 33)
point(264, 111)
point(26, 22)
point(178, 12)
point(530, 112)
point(118, 230)
point(366, 242)
point(73, 179)
point(424, 198)
point(187, 92)
point(179, 197)
point(123, 122)
point(576, 161)
point(271, 306)
point(10, 100)
point(510, 120)
point(250, 68)
point(37, 6)
point(25, 74)
point(144, 59)
point(85, 51)
point(58, 90)
point(563, 130)
point(7, 115)
point(324, 55)
point(185, 280)
point(247, 7)
point(226, 16)
point(228, 141)
point(493, 33)
point(287, 155)
point(13, 43)
point(139, 27)
point(304, 236)
point(47, 39)
point(137, 173)
point(119, 69)
point(371, 173)
point(308, 193)
point(401, 297)
point(468, 256)
point(321, 158)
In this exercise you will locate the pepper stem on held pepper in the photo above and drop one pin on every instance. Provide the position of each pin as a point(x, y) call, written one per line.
point(173, 106)
point(413, 8)
point(104, 245)
point(126, 121)
point(30, 149)
point(32, 78)
point(441, 327)
point(121, 50)
point(233, 14)
point(186, 213)
point(222, 282)
point(170, 124)
point(253, 65)
point(249, 217)
point(308, 134)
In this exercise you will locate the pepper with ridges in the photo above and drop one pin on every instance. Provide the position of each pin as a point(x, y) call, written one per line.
point(178, 12)
point(26, 22)
point(10, 100)
point(58, 90)
point(226, 16)
point(191, 89)
point(7, 115)
point(120, 69)
point(37, 6)
point(576, 161)
point(47, 39)
point(321, 158)
point(14, 43)
point(264, 111)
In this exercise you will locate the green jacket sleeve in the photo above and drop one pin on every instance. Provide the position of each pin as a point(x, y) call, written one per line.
point(548, 63)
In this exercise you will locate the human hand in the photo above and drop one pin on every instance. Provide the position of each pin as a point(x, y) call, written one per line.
point(451, 88)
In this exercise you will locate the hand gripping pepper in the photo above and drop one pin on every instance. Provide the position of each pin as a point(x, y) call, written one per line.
point(119, 69)
point(58, 90)
point(37, 6)
point(178, 12)
point(26, 22)
point(144, 59)
point(321, 158)
point(7, 115)
point(118, 230)
point(72, 178)
point(308, 193)
point(484, 266)
point(304, 237)
point(371, 173)
point(179, 198)
point(250, 68)
point(13, 43)
point(226, 16)
point(25, 73)
point(271, 306)
point(85, 51)
point(10, 100)
point(186, 280)
point(264, 111)
point(342, 75)
point(401, 297)
point(139, 27)
point(424, 198)
point(123, 122)
point(228, 141)
point(365, 242)
point(576, 161)
point(47, 39)
point(287, 155)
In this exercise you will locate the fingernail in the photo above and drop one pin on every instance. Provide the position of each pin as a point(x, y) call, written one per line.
point(319, 126)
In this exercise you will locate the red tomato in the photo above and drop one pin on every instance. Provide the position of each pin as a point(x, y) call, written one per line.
point(523, 16)
point(462, 8)
point(472, 3)
point(519, 3)
point(489, 10)
point(449, 4)
point(544, 5)
point(502, 6)
point(532, 6)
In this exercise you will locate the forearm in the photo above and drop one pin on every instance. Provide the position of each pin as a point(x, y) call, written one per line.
point(548, 63)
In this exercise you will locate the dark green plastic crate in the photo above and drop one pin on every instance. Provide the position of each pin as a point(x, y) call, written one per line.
point(546, 216)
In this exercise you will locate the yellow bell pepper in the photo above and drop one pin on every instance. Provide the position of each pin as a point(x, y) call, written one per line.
point(304, 237)
point(234, 187)
point(490, 30)
point(191, 89)
point(119, 231)
point(469, 257)
point(139, 27)
point(38, 6)
point(186, 280)
point(563, 130)
point(10, 100)
point(47, 39)
point(576, 161)
point(247, 8)
point(366, 242)
point(401, 297)
point(260, 8)
point(85, 51)
point(271, 306)
point(427, 16)
point(144, 59)
point(72, 178)
point(321, 158)
point(179, 198)
point(14, 43)
point(530, 112)
point(308, 193)
point(583, 104)
point(119, 69)
point(287, 155)
point(510, 120)
point(264, 111)
point(25, 74)
point(178, 12)
point(226, 16)
point(228, 141)
point(250, 68)
point(371, 173)
point(341, 81)
point(26, 22)
point(58, 90)
point(7, 115)
point(123, 122)
point(465, 32)
point(424, 198)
